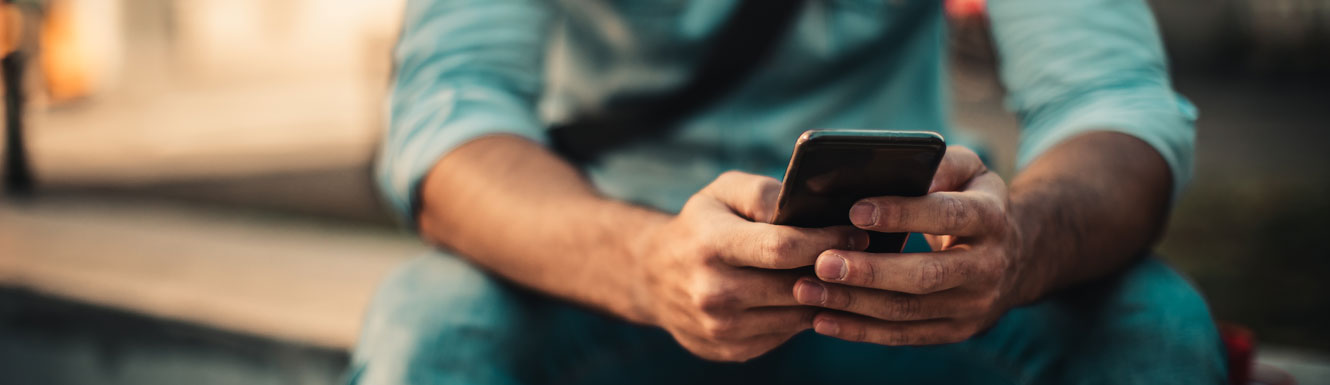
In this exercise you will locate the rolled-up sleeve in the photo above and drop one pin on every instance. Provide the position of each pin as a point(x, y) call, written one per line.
point(464, 69)
point(1073, 66)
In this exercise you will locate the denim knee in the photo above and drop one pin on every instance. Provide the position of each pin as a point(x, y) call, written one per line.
point(1161, 303)
point(1148, 325)
point(1166, 327)
point(438, 319)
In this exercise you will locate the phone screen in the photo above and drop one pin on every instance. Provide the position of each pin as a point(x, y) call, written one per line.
point(832, 169)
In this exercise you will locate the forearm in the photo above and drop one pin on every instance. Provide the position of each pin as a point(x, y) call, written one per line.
point(513, 207)
point(1087, 207)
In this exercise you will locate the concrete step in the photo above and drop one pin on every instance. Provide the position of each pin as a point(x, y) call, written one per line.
point(114, 289)
point(284, 277)
point(54, 341)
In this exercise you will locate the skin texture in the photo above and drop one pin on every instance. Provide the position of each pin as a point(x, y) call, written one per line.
point(719, 278)
point(995, 247)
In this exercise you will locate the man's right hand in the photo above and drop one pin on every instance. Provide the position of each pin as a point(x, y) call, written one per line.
point(718, 277)
point(715, 275)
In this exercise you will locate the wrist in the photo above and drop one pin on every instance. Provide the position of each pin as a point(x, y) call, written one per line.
point(1038, 272)
point(640, 245)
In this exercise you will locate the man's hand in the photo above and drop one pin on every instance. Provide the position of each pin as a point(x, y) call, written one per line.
point(716, 277)
point(711, 275)
point(971, 279)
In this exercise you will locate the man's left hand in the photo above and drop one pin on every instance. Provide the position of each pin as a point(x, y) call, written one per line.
point(973, 276)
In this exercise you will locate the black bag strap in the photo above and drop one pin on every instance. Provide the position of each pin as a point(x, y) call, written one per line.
point(746, 40)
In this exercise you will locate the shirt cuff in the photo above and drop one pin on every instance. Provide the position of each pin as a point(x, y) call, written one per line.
point(1164, 120)
point(423, 132)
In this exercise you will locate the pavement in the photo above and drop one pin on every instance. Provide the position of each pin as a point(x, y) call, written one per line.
point(285, 277)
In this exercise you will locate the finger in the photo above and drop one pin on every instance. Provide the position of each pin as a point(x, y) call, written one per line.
point(951, 213)
point(755, 322)
point(750, 196)
point(778, 320)
point(732, 351)
point(959, 165)
point(758, 288)
point(769, 246)
point(883, 304)
point(914, 273)
point(858, 328)
point(989, 183)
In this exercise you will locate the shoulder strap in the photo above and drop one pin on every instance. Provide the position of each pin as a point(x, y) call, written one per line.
point(746, 40)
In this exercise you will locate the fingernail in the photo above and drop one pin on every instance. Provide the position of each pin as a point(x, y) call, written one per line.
point(826, 326)
point(811, 293)
point(859, 241)
point(831, 267)
point(863, 214)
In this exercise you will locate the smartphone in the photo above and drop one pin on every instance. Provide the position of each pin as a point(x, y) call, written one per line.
point(830, 170)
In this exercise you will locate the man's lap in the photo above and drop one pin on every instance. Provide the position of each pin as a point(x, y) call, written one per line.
point(438, 319)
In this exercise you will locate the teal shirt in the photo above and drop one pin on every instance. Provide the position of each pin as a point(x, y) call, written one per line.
point(469, 68)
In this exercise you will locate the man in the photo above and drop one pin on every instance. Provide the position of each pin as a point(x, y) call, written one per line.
point(651, 262)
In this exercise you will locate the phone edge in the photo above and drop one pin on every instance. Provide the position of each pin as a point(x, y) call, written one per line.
point(820, 135)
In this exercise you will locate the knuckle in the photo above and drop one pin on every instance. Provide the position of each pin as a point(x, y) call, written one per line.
point(967, 270)
point(775, 247)
point(998, 265)
point(955, 211)
point(994, 220)
point(905, 307)
point(692, 346)
point(966, 156)
point(763, 211)
point(768, 186)
point(776, 244)
point(995, 215)
point(867, 272)
point(718, 354)
point(930, 277)
point(714, 303)
point(846, 237)
point(705, 252)
point(712, 297)
point(692, 202)
point(719, 328)
point(841, 299)
point(897, 338)
point(966, 153)
point(759, 197)
point(806, 319)
point(732, 353)
point(762, 187)
point(965, 332)
point(890, 216)
point(723, 355)
point(855, 333)
point(986, 302)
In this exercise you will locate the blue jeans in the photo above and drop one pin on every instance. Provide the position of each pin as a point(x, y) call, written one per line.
point(440, 320)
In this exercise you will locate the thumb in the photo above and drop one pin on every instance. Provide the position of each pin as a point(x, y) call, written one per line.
point(958, 167)
point(750, 196)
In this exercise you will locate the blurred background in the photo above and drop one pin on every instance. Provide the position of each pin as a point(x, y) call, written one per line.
point(200, 205)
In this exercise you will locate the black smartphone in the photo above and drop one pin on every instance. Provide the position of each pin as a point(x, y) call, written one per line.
point(832, 169)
